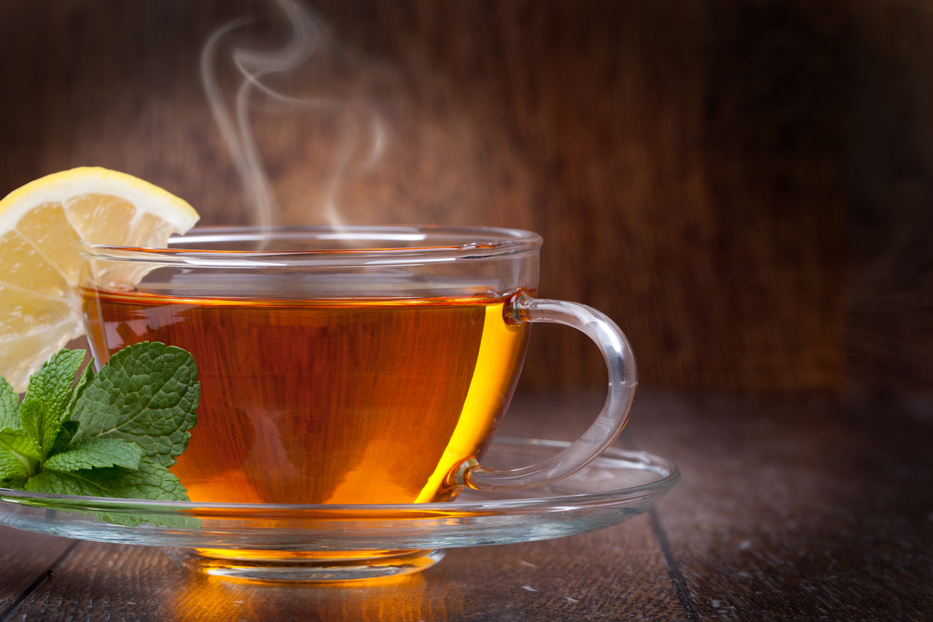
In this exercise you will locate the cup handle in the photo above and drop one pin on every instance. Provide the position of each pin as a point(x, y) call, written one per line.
point(623, 383)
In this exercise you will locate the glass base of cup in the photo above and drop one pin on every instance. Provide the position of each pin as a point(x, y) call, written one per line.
point(317, 567)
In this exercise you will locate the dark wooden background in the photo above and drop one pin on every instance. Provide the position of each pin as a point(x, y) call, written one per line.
point(746, 187)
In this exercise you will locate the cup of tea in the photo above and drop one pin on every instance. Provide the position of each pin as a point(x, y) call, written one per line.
point(347, 365)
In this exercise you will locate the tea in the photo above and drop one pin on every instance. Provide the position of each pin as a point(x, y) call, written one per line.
point(327, 401)
point(347, 365)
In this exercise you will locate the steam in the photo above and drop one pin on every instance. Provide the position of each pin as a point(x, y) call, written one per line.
point(308, 37)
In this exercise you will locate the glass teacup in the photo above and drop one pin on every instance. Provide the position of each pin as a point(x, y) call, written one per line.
point(352, 365)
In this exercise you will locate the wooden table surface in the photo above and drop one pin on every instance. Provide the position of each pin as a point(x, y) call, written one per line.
point(788, 509)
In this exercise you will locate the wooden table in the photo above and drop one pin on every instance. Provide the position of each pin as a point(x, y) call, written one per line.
point(803, 509)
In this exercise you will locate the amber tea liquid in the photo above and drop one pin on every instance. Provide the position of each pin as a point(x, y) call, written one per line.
point(326, 401)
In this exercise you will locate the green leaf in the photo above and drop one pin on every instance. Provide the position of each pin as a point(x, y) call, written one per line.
point(57, 483)
point(21, 442)
point(96, 453)
point(12, 468)
point(9, 406)
point(83, 381)
point(19, 454)
point(90, 437)
point(146, 393)
point(150, 481)
point(65, 434)
point(48, 395)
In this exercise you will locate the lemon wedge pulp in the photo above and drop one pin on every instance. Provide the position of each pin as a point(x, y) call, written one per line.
point(40, 226)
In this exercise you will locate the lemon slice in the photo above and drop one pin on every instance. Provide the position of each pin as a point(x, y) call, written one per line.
point(40, 226)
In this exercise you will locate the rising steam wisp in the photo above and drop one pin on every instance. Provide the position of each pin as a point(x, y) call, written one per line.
point(308, 36)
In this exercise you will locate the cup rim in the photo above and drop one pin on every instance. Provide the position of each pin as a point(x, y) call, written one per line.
point(390, 245)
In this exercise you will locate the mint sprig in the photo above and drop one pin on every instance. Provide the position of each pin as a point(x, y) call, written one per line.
point(109, 434)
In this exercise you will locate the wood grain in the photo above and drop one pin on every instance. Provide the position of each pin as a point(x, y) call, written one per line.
point(788, 509)
point(794, 510)
point(26, 560)
point(617, 573)
point(745, 187)
point(563, 578)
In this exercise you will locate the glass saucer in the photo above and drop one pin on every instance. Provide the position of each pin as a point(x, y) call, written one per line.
point(346, 542)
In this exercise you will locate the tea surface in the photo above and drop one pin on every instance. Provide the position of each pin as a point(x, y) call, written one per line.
point(326, 401)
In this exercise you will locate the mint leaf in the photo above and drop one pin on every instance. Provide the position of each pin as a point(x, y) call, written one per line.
point(65, 434)
point(13, 471)
point(96, 453)
point(48, 395)
point(19, 454)
point(147, 393)
point(150, 481)
point(109, 434)
point(21, 442)
point(9, 407)
point(86, 376)
point(57, 483)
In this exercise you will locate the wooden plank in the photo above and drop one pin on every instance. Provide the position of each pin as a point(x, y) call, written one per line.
point(617, 573)
point(25, 560)
point(788, 509)
point(797, 509)
point(614, 574)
